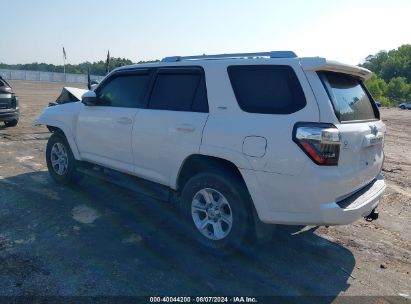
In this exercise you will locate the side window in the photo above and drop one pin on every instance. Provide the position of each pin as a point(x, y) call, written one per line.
point(200, 103)
point(127, 90)
point(267, 89)
point(179, 91)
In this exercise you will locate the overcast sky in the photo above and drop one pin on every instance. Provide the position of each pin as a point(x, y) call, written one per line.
point(348, 31)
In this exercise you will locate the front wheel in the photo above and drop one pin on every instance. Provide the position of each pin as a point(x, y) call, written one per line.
point(61, 163)
point(11, 123)
point(402, 107)
point(217, 208)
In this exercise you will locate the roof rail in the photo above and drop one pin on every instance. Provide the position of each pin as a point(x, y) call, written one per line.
point(275, 54)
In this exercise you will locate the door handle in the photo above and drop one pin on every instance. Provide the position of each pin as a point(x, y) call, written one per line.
point(124, 120)
point(185, 128)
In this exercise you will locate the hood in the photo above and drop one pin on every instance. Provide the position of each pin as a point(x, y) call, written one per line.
point(70, 94)
point(5, 90)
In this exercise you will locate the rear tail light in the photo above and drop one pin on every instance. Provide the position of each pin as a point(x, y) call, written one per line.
point(321, 142)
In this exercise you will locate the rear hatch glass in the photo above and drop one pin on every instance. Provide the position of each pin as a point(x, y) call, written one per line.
point(349, 96)
point(361, 132)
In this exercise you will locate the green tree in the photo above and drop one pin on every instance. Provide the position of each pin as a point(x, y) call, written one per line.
point(398, 89)
point(394, 68)
point(398, 64)
point(377, 87)
point(375, 62)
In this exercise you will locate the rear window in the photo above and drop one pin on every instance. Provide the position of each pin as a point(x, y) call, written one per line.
point(350, 99)
point(174, 92)
point(267, 89)
point(179, 89)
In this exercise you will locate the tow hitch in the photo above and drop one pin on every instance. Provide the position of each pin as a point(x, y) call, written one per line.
point(372, 216)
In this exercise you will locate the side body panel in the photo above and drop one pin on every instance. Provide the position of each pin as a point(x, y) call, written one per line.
point(263, 140)
point(161, 140)
point(104, 136)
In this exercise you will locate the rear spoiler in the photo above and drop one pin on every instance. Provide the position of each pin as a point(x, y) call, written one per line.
point(321, 64)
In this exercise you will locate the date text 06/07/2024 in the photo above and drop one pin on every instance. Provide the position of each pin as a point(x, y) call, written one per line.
point(203, 300)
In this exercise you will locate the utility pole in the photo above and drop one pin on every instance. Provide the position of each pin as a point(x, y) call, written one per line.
point(64, 63)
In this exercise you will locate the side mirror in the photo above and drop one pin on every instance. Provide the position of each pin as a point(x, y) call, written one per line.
point(89, 98)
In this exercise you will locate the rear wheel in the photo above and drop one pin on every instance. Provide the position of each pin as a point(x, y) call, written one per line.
point(217, 208)
point(61, 163)
point(11, 123)
point(402, 107)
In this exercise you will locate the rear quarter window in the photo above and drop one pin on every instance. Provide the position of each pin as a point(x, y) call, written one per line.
point(267, 89)
point(349, 96)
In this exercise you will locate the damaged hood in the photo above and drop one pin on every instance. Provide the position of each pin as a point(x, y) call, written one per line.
point(70, 94)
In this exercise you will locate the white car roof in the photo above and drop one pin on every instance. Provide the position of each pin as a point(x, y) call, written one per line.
point(307, 63)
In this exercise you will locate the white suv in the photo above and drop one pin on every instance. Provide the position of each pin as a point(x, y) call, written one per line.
point(234, 139)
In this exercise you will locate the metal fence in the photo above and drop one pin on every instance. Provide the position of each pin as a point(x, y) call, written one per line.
point(46, 76)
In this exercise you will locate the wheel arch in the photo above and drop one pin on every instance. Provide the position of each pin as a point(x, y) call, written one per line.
point(197, 163)
point(58, 126)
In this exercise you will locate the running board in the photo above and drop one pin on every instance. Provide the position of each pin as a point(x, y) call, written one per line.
point(133, 183)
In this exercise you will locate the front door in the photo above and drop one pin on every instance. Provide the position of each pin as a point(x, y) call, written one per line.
point(104, 130)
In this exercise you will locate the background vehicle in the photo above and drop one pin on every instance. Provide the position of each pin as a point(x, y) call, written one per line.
point(406, 105)
point(234, 139)
point(9, 104)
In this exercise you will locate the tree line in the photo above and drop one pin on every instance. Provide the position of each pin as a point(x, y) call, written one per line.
point(391, 82)
point(96, 68)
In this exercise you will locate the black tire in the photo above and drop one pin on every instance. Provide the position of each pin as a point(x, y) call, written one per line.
point(70, 175)
point(234, 190)
point(11, 123)
point(402, 107)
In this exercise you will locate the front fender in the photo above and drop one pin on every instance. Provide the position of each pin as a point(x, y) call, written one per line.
point(48, 119)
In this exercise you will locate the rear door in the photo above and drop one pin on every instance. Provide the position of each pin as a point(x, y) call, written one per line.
point(171, 127)
point(362, 131)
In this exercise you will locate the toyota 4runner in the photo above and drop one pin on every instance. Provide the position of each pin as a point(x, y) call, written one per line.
point(234, 139)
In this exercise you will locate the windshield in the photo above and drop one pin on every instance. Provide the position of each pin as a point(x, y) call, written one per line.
point(4, 83)
point(350, 99)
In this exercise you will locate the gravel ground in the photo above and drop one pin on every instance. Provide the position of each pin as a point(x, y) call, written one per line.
point(98, 239)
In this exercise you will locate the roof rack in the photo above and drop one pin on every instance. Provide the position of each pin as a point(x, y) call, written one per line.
point(275, 54)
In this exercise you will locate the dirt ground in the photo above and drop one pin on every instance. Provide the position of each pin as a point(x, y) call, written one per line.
point(98, 239)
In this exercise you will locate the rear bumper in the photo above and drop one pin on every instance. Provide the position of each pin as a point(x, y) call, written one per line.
point(281, 199)
point(9, 115)
point(354, 207)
